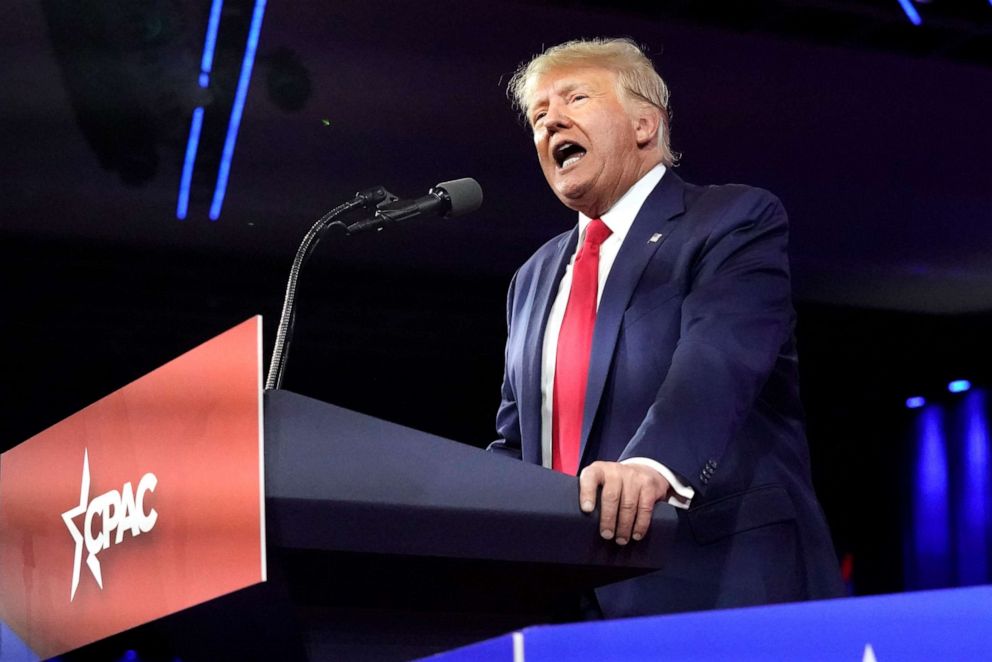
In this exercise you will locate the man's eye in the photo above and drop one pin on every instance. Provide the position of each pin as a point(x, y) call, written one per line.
point(538, 117)
point(580, 97)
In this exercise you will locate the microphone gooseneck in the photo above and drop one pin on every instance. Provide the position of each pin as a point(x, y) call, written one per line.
point(284, 332)
point(454, 198)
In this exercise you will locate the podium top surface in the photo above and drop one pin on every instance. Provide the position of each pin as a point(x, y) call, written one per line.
point(338, 480)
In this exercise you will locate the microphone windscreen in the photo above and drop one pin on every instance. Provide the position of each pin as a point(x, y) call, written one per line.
point(465, 195)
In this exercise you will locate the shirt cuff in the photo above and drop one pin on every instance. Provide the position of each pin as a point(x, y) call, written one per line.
point(681, 494)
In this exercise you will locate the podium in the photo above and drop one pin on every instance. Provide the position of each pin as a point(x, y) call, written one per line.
point(389, 543)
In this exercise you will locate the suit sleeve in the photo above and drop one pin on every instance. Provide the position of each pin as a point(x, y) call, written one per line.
point(508, 416)
point(736, 318)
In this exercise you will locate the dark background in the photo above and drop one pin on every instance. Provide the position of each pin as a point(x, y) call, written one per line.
point(874, 132)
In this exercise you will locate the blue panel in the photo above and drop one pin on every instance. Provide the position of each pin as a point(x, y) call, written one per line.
point(929, 566)
point(973, 505)
point(930, 625)
point(492, 650)
point(936, 625)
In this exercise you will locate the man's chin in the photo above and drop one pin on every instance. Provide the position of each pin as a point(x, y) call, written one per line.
point(571, 194)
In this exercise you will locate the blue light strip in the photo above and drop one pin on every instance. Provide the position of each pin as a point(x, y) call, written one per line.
point(196, 126)
point(931, 509)
point(207, 63)
point(191, 145)
point(910, 11)
point(915, 402)
point(959, 386)
point(973, 522)
point(236, 111)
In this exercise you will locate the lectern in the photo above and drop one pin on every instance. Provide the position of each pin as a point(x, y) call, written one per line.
point(384, 542)
point(389, 543)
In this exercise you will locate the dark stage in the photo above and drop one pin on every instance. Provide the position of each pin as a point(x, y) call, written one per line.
point(874, 132)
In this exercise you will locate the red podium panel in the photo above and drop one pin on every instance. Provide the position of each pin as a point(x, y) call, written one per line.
point(146, 502)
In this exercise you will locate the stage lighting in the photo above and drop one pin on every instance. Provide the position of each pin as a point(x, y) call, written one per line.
point(910, 11)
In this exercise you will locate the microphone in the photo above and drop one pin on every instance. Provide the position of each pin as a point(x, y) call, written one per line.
point(454, 198)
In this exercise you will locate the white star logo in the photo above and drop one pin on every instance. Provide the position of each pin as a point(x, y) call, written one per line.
point(77, 536)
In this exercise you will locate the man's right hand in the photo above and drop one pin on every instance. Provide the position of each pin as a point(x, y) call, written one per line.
point(629, 493)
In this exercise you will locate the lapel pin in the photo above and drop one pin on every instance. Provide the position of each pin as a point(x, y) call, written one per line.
point(655, 238)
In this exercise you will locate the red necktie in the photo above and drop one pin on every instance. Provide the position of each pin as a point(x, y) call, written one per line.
point(574, 347)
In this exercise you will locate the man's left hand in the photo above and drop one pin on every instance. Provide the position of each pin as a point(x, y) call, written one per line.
point(627, 501)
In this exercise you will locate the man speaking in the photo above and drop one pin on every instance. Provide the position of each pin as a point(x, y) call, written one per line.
point(650, 349)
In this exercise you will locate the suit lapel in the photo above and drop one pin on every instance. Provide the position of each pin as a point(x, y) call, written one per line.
point(664, 203)
point(548, 280)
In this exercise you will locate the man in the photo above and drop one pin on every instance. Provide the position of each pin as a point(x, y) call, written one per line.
point(651, 347)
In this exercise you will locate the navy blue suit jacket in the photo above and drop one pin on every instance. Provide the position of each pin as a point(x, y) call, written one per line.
point(694, 365)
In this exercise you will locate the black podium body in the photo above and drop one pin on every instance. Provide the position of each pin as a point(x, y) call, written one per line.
point(389, 543)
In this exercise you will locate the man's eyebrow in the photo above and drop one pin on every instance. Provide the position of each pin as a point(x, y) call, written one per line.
point(564, 88)
point(570, 86)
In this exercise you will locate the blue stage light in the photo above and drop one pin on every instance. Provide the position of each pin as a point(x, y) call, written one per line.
point(240, 95)
point(915, 402)
point(187, 177)
point(210, 45)
point(911, 13)
point(195, 127)
point(931, 505)
point(959, 386)
point(974, 525)
point(131, 655)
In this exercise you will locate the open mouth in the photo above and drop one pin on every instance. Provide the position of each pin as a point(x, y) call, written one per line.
point(568, 153)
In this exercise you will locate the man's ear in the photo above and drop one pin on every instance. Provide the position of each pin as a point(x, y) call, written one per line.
point(648, 125)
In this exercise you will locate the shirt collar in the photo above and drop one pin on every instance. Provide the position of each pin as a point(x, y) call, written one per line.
point(623, 212)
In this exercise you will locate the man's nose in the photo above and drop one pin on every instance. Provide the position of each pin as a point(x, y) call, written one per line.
point(557, 117)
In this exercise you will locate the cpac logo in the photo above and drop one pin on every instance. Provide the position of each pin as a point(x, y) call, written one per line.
point(119, 513)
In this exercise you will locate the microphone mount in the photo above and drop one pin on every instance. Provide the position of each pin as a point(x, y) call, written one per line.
point(363, 200)
point(451, 198)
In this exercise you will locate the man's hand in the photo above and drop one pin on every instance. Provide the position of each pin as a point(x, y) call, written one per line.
point(629, 494)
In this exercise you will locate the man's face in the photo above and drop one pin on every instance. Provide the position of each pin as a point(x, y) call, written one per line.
point(586, 138)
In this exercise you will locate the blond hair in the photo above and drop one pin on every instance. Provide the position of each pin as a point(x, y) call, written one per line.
point(636, 76)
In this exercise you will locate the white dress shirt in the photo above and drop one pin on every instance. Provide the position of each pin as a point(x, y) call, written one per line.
point(619, 219)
